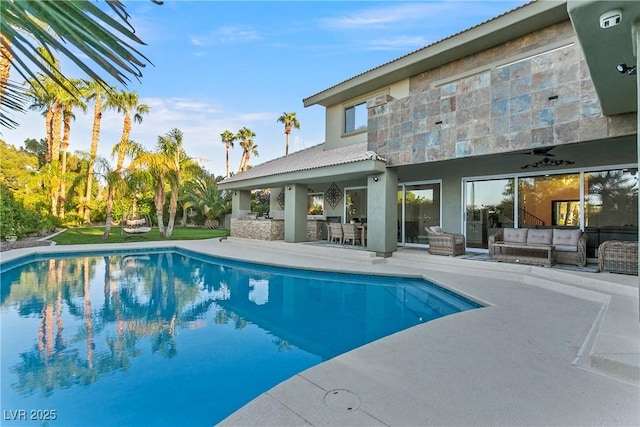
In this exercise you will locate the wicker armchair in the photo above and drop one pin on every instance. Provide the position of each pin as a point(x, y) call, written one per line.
point(618, 257)
point(442, 243)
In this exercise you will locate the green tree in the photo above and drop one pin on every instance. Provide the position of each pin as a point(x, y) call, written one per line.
point(290, 121)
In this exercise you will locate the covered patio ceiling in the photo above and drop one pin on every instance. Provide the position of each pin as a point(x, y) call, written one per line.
point(605, 48)
point(344, 172)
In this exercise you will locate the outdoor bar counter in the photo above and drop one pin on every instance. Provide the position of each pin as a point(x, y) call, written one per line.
point(270, 229)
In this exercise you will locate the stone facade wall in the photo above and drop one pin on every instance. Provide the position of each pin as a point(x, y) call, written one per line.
point(314, 230)
point(545, 100)
point(257, 229)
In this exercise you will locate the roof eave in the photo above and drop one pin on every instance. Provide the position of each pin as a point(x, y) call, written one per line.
point(521, 21)
point(345, 171)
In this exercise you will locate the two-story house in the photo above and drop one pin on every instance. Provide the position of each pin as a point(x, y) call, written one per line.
point(526, 120)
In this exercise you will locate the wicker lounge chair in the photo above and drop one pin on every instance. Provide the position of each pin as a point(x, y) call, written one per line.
point(443, 243)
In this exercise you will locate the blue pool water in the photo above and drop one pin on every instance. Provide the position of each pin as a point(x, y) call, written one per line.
point(176, 338)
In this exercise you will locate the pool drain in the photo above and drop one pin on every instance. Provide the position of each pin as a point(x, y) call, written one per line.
point(342, 400)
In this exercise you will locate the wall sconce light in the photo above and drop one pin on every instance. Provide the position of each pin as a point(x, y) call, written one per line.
point(375, 179)
point(624, 69)
point(235, 194)
point(288, 187)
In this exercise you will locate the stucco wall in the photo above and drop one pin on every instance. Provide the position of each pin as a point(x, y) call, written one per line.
point(334, 120)
point(548, 99)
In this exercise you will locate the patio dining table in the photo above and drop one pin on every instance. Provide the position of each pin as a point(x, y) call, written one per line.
point(363, 234)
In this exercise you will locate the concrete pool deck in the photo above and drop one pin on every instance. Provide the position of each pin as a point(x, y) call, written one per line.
point(550, 347)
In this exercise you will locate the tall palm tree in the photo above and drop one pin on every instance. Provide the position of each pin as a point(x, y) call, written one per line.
point(127, 103)
point(68, 103)
point(228, 138)
point(290, 121)
point(42, 99)
point(96, 92)
point(246, 136)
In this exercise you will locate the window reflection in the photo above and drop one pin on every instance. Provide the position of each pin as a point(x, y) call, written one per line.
point(420, 204)
point(356, 204)
point(539, 196)
point(611, 207)
point(489, 206)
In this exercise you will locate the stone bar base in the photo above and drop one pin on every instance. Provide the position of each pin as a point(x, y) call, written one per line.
point(259, 229)
point(271, 229)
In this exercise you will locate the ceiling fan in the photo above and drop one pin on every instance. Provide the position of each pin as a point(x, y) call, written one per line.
point(543, 151)
point(536, 151)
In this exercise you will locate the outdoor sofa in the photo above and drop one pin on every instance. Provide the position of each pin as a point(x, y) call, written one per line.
point(544, 246)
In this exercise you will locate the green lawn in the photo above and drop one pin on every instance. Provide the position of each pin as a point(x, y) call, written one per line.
point(93, 235)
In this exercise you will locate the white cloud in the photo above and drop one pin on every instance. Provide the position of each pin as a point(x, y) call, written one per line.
point(406, 43)
point(383, 16)
point(226, 35)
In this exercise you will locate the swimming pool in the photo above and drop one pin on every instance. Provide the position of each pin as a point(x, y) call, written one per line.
point(172, 337)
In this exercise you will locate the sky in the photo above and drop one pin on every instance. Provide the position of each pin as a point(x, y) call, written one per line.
point(225, 65)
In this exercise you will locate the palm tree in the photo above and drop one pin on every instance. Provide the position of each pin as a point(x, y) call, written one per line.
point(94, 92)
point(67, 103)
point(248, 147)
point(43, 99)
point(203, 193)
point(115, 181)
point(170, 163)
point(228, 139)
point(102, 37)
point(126, 103)
point(289, 120)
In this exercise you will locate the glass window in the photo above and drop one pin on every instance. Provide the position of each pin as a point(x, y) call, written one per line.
point(355, 118)
point(549, 200)
point(489, 206)
point(356, 204)
point(611, 207)
point(421, 207)
point(315, 205)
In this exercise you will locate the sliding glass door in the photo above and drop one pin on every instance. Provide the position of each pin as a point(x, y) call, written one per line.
point(489, 206)
point(604, 203)
point(418, 207)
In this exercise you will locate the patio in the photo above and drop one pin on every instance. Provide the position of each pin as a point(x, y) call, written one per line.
point(551, 347)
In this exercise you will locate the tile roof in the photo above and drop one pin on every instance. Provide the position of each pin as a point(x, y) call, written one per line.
point(314, 157)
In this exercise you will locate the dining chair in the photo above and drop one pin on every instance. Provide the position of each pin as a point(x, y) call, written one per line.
point(350, 232)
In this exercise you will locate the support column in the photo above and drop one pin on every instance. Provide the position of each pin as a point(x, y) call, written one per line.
point(275, 210)
point(240, 203)
point(635, 34)
point(295, 213)
point(382, 213)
